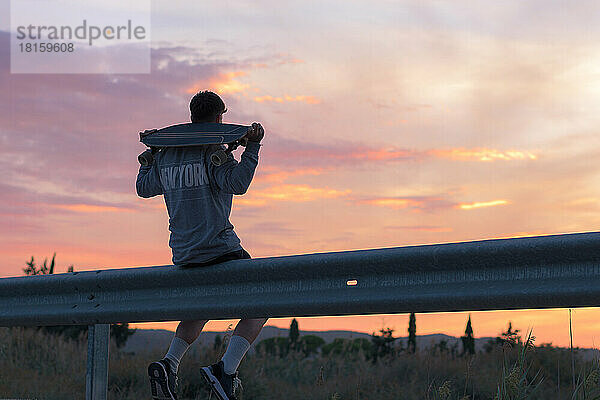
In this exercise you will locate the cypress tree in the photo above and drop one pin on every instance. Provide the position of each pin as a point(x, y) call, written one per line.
point(412, 333)
point(294, 333)
point(468, 341)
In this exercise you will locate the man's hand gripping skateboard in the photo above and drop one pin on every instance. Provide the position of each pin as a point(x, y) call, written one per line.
point(255, 134)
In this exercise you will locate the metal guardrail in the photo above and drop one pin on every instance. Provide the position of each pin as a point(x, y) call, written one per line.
point(531, 272)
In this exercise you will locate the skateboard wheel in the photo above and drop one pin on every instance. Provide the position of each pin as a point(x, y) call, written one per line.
point(218, 157)
point(146, 158)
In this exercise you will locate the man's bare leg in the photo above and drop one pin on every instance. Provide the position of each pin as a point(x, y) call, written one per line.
point(190, 330)
point(249, 328)
point(244, 334)
point(187, 332)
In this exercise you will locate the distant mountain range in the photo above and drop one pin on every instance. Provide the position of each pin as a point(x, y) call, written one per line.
point(156, 339)
point(151, 339)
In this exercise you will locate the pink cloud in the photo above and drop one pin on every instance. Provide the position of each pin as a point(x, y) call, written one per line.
point(79, 133)
point(24, 209)
point(81, 130)
point(290, 153)
point(94, 119)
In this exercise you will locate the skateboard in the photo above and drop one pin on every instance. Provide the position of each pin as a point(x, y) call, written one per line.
point(194, 134)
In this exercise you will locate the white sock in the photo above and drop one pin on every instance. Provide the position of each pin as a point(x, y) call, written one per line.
point(237, 347)
point(176, 352)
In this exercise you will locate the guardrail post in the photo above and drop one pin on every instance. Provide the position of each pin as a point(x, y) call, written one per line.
point(96, 378)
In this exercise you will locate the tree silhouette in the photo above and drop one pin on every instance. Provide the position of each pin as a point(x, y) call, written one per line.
point(468, 341)
point(32, 269)
point(275, 346)
point(294, 334)
point(382, 345)
point(412, 333)
point(310, 344)
point(510, 337)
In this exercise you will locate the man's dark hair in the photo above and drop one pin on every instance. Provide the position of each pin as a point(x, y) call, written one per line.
point(206, 106)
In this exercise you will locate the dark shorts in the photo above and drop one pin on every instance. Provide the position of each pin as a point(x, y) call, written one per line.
point(234, 255)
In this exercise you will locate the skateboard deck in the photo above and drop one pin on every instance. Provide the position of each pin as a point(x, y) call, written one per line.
point(194, 134)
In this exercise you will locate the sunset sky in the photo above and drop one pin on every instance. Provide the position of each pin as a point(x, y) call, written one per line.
point(388, 123)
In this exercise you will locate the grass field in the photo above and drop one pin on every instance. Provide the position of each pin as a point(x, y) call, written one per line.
point(43, 366)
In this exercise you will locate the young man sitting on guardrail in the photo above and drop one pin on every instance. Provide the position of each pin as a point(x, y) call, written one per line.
point(202, 235)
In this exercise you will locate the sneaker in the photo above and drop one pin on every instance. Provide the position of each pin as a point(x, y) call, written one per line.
point(222, 384)
point(163, 382)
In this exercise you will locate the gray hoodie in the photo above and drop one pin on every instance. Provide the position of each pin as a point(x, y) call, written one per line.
point(198, 197)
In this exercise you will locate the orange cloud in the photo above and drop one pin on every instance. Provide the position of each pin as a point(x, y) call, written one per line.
point(152, 203)
point(394, 202)
point(287, 98)
point(482, 154)
point(88, 208)
point(424, 228)
point(292, 61)
point(417, 204)
point(332, 155)
point(224, 83)
point(347, 153)
point(297, 193)
point(243, 201)
point(380, 154)
point(482, 204)
point(352, 152)
point(274, 175)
